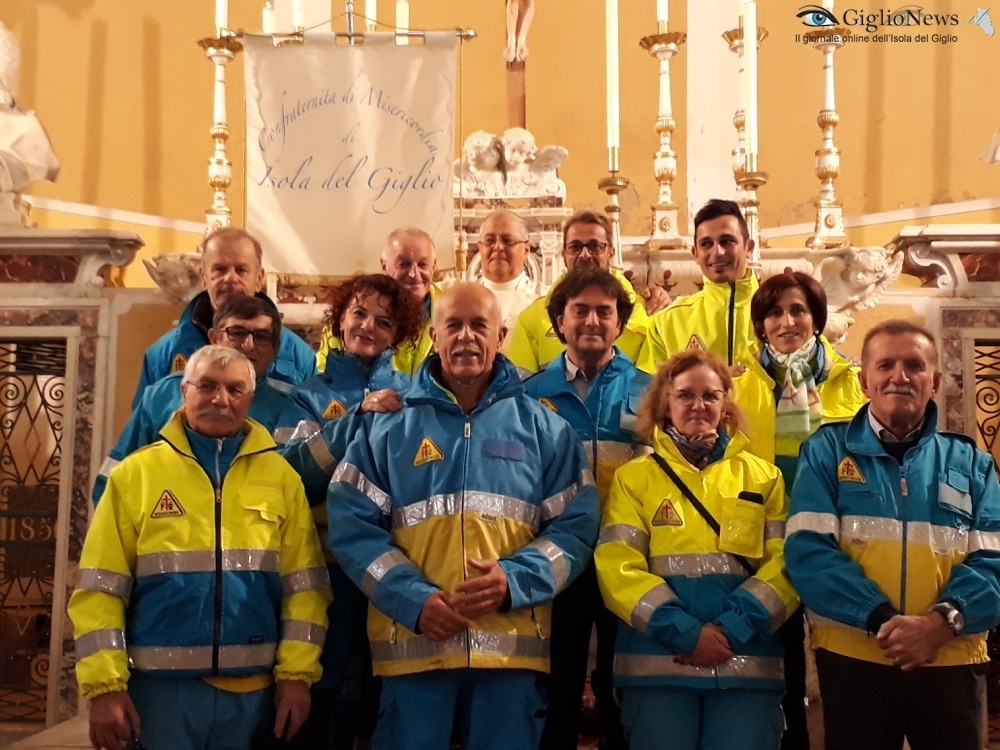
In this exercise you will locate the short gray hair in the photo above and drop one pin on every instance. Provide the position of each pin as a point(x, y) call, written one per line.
point(521, 223)
point(214, 355)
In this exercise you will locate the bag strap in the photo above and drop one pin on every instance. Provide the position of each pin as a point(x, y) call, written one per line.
point(699, 506)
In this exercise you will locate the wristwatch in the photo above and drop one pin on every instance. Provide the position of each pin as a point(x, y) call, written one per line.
point(952, 616)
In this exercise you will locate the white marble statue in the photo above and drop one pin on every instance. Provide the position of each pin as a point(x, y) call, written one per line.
point(176, 274)
point(855, 282)
point(512, 166)
point(26, 154)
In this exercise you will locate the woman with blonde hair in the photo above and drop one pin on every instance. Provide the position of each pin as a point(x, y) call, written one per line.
point(690, 557)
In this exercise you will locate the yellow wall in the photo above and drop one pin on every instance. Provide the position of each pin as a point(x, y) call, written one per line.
point(126, 96)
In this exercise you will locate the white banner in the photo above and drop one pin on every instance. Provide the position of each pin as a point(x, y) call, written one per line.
point(345, 144)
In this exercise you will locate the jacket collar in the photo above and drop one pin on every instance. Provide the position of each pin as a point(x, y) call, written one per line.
point(256, 438)
point(504, 383)
point(663, 445)
point(720, 293)
point(861, 438)
point(553, 377)
point(341, 366)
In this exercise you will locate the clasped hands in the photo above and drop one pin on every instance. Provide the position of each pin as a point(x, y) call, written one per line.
point(444, 614)
point(912, 641)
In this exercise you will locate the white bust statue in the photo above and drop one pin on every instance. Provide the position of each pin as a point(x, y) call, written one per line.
point(26, 154)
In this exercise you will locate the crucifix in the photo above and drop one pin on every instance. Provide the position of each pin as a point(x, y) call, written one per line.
point(519, 16)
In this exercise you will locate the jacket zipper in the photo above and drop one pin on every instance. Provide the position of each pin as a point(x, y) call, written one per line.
point(217, 627)
point(732, 319)
point(465, 478)
point(903, 491)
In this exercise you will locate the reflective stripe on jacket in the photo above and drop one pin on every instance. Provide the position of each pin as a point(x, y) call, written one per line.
point(865, 531)
point(534, 343)
point(665, 572)
point(428, 488)
point(198, 582)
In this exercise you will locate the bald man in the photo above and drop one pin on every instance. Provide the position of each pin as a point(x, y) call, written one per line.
point(497, 512)
point(410, 258)
point(503, 250)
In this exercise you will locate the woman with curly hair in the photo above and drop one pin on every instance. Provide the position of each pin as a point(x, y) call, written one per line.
point(369, 315)
point(691, 558)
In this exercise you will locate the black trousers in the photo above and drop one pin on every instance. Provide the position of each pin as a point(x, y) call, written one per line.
point(792, 634)
point(870, 706)
point(575, 612)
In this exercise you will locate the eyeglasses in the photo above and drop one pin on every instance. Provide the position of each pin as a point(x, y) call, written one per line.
point(505, 241)
point(595, 248)
point(239, 334)
point(709, 398)
point(210, 388)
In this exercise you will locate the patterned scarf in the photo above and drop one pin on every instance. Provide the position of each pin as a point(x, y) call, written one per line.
point(696, 450)
point(799, 409)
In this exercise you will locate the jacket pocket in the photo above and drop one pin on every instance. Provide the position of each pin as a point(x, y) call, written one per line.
point(742, 527)
point(953, 493)
point(264, 513)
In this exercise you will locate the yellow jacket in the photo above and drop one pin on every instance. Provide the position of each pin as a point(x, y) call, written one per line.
point(753, 391)
point(181, 579)
point(408, 354)
point(534, 342)
point(716, 319)
point(665, 572)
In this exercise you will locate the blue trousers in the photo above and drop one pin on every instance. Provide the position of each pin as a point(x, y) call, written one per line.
point(670, 718)
point(190, 714)
point(492, 709)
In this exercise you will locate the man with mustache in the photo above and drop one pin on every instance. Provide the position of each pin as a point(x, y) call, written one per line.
point(251, 326)
point(461, 517)
point(893, 542)
point(204, 552)
point(716, 319)
point(231, 264)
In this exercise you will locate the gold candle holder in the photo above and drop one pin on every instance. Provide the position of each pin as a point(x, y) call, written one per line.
point(613, 185)
point(829, 228)
point(220, 51)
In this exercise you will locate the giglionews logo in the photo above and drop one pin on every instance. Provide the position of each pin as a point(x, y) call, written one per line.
point(818, 17)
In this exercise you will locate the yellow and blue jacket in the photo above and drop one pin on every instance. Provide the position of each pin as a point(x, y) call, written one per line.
point(185, 576)
point(534, 342)
point(665, 572)
point(865, 531)
point(427, 488)
point(716, 319)
point(754, 392)
point(408, 355)
point(605, 422)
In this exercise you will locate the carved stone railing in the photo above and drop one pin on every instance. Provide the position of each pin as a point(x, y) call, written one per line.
point(952, 260)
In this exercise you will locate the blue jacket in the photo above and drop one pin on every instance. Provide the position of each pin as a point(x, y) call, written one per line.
point(321, 416)
point(294, 362)
point(864, 531)
point(606, 420)
point(427, 488)
point(158, 404)
point(195, 568)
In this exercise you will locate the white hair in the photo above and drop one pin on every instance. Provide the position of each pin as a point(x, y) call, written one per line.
point(215, 355)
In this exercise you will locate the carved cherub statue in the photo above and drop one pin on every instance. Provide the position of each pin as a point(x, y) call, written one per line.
point(26, 154)
point(857, 281)
point(526, 164)
point(519, 16)
point(479, 172)
point(176, 274)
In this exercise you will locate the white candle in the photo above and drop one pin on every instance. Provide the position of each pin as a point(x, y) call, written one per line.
point(298, 15)
point(611, 50)
point(828, 4)
point(267, 18)
point(221, 15)
point(662, 11)
point(371, 14)
point(402, 20)
point(750, 72)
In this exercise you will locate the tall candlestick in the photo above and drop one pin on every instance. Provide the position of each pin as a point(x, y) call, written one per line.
point(750, 74)
point(298, 15)
point(371, 14)
point(267, 18)
point(611, 46)
point(662, 11)
point(402, 21)
point(221, 15)
point(828, 4)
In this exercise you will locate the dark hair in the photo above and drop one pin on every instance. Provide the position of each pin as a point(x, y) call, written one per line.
point(243, 307)
point(654, 411)
point(718, 207)
point(589, 217)
point(225, 235)
point(896, 327)
point(406, 312)
point(575, 282)
point(766, 299)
